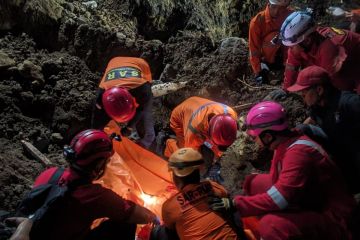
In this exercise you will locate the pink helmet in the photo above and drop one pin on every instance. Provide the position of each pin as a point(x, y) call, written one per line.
point(266, 115)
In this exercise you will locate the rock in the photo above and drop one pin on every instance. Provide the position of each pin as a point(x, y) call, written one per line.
point(56, 138)
point(90, 4)
point(231, 45)
point(168, 74)
point(44, 11)
point(5, 61)
point(29, 70)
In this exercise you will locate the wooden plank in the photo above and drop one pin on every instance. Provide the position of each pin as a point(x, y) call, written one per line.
point(166, 88)
point(36, 153)
point(242, 107)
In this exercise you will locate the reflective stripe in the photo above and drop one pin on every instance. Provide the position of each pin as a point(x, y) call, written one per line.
point(277, 197)
point(310, 144)
point(291, 67)
point(192, 129)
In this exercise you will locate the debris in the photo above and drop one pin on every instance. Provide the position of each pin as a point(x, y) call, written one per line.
point(36, 153)
point(166, 88)
point(242, 107)
point(90, 4)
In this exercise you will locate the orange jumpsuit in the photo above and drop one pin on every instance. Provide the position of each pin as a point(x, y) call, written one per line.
point(190, 122)
point(134, 75)
point(188, 212)
point(263, 28)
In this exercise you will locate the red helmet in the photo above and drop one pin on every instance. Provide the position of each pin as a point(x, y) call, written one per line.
point(119, 104)
point(222, 129)
point(89, 146)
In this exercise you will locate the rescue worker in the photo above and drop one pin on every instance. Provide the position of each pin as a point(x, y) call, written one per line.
point(303, 196)
point(266, 52)
point(87, 155)
point(354, 17)
point(335, 50)
point(125, 96)
point(201, 122)
point(187, 212)
point(338, 114)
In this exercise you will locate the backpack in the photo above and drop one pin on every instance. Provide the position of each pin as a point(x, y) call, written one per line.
point(43, 200)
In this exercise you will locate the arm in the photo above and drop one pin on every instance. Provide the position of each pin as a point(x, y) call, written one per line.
point(255, 43)
point(143, 96)
point(22, 232)
point(98, 100)
point(141, 215)
point(285, 191)
point(292, 66)
point(176, 124)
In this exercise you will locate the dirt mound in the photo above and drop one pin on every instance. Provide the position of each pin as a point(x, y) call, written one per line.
point(52, 54)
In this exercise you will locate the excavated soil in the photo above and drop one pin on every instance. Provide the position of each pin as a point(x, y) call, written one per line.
point(53, 52)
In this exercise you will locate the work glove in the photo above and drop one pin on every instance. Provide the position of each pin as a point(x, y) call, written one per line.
point(221, 204)
point(262, 77)
point(276, 95)
point(125, 131)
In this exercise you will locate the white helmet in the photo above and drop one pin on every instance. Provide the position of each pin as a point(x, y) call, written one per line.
point(280, 2)
point(296, 27)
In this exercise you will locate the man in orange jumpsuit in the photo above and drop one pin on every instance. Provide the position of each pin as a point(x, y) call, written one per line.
point(335, 50)
point(264, 27)
point(188, 212)
point(199, 121)
point(125, 96)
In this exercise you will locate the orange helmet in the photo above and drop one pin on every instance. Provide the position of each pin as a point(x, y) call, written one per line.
point(222, 129)
point(119, 104)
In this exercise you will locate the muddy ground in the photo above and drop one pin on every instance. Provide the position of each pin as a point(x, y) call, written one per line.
point(53, 52)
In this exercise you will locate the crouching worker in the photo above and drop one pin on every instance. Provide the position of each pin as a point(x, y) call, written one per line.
point(187, 214)
point(207, 126)
point(303, 196)
point(125, 96)
point(87, 156)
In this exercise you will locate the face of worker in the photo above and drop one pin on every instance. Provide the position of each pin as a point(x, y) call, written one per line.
point(276, 10)
point(312, 95)
point(304, 46)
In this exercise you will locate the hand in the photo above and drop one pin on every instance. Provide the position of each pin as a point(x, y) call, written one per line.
point(276, 95)
point(156, 221)
point(221, 204)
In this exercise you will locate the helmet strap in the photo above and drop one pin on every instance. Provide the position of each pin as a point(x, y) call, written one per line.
point(266, 143)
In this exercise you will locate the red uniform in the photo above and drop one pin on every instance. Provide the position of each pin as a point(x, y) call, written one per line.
point(303, 194)
point(263, 28)
point(338, 53)
point(91, 201)
point(188, 212)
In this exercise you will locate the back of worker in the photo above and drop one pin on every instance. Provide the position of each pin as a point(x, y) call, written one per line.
point(190, 120)
point(87, 203)
point(127, 72)
point(188, 211)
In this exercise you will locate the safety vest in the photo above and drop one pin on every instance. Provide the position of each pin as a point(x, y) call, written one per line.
point(127, 72)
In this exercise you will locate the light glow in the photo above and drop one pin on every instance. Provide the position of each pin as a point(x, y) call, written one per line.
point(148, 199)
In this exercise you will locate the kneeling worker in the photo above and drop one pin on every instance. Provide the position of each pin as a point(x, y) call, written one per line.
point(198, 122)
point(188, 213)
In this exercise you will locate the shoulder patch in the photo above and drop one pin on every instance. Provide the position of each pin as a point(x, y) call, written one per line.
point(123, 72)
point(337, 31)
